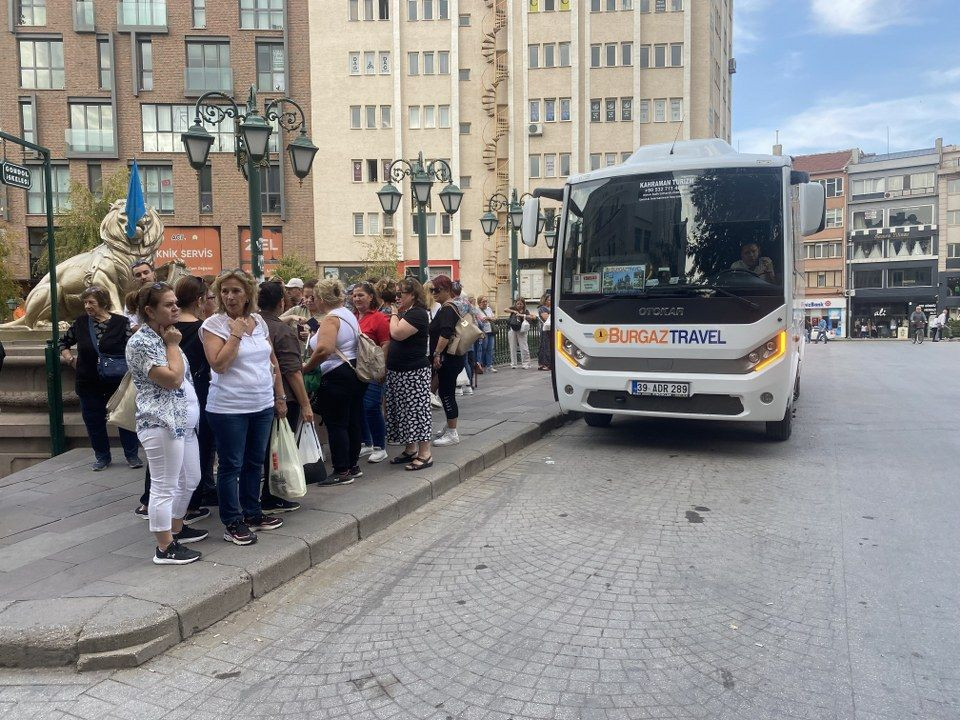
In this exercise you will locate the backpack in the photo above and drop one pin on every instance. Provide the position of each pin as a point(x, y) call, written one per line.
point(371, 364)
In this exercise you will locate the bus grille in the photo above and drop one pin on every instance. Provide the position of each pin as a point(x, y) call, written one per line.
point(697, 404)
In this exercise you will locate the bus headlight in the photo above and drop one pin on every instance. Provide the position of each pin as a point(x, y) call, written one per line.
point(769, 352)
point(570, 352)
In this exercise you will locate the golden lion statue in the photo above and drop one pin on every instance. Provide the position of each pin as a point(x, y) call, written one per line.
point(107, 265)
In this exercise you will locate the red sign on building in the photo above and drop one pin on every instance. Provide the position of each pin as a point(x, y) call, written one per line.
point(271, 247)
point(196, 247)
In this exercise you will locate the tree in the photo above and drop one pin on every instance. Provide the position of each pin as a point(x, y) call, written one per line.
point(381, 259)
point(78, 229)
point(291, 266)
point(9, 286)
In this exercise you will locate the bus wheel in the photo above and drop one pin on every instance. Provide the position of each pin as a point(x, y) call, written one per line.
point(780, 430)
point(597, 419)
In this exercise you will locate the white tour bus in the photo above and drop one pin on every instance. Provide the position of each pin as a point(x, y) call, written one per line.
point(678, 286)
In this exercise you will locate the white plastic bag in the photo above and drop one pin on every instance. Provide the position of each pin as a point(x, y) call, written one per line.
point(308, 444)
point(462, 379)
point(287, 480)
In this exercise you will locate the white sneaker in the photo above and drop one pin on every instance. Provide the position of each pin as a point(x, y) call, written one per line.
point(468, 390)
point(512, 367)
point(366, 450)
point(526, 366)
point(459, 391)
point(440, 433)
point(378, 455)
point(450, 437)
point(493, 369)
point(435, 401)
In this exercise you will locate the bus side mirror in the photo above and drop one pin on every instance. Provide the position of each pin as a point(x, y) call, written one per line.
point(531, 218)
point(813, 208)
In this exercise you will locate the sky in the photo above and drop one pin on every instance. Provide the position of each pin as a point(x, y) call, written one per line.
point(838, 74)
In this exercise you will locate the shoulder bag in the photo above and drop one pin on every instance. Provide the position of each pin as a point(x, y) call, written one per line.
point(109, 367)
point(465, 334)
point(371, 366)
point(122, 405)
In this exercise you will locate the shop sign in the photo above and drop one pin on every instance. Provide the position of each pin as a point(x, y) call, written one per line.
point(271, 247)
point(196, 247)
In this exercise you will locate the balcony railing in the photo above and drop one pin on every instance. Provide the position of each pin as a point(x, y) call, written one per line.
point(82, 140)
point(197, 81)
point(142, 15)
point(83, 16)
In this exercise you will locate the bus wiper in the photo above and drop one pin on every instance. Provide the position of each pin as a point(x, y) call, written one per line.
point(714, 288)
point(590, 304)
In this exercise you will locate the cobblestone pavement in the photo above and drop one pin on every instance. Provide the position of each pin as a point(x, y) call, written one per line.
point(651, 570)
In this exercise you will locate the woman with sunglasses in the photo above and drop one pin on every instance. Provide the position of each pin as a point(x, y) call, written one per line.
point(409, 415)
point(246, 393)
point(446, 367)
point(375, 325)
point(168, 413)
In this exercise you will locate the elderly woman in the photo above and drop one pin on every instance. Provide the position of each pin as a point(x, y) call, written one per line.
point(168, 413)
point(487, 342)
point(98, 333)
point(409, 416)
point(340, 396)
point(246, 393)
point(446, 366)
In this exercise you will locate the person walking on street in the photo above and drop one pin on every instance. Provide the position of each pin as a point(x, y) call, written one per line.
point(488, 341)
point(340, 397)
point(544, 315)
point(168, 413)
point(807, 328)
point(99, 334)
point(938, 324)
point(375, 325)
point(519, 322)
point(246, 393)
point(822, 331)
point(286, 348)
point(446, 366)
point(918, 322)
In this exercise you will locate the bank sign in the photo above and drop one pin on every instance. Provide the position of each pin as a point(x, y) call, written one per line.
point(823, 304)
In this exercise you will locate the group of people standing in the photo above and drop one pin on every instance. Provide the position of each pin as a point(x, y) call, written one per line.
point(215, 361)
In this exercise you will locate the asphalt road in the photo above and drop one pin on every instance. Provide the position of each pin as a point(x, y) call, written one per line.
point(647, 570)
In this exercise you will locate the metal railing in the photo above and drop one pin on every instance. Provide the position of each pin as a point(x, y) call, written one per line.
point(81, 140)
point(501, 349)
point(197, 81)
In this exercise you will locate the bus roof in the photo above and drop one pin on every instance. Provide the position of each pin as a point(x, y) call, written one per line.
point(685, 155)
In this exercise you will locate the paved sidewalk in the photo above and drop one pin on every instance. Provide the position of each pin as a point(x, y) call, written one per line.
point(77, 585)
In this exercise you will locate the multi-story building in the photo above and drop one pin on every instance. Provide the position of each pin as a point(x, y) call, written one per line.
point(103, 82)
point(893, 237)
point(515, 94)
point(823, 253)
point(949, 223)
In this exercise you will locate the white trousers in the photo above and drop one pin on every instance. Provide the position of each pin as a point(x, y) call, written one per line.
point(174, 474)
point(519, 337)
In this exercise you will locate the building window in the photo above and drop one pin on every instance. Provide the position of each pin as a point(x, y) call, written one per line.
point(676, 109)
point(28, 121)
point(199, 13)
point(466, 235)
point(465, 181)
point(659, 110)
point(428, 66)
point(464, 20)
point(564, 164)
point(32, 12)
point(832, 186)
point(549, 165)
point(626, 54)
point(353, 10)
point(610, 50)
point(355, 115)
point(270, 189)
point(443, 62)
point(644, 111)
point(910, 277)
point(464, 128)
point(383, 10)
point(369, 63)
point(676, 55)
point(373, 167)
point(564, 49)
point(534, 166)
point(644, 56)
point(953, 187)
point(445, 224)
point(534, 111)
point(610, 159)
point(834, 218)
point(413, 63)
point(373, 223)
point(626, 109)
point(384, 63)
point(659, 56)
point(357, 166)
point(358, 223)
point(91, 128)
point(444, 112)
point(271, 65)
point(595, 55)
point(868, 186)
point(913, 215)
point(428, 9)
point(41, 64)
point(549, 55)
point(443, 9)
point(370, 112)
point(867, 279)
point(564, 109)
point(953, 217)
point(261, 14)
point(610, 109)
point(105, 64)
point(533, 52)
point(464, 74)
point(208, 67)
point(158, 187)
point(412, 9)
point(429, 116)
point(594, 5)
point(36, 195)
point(595, 111)
point(205, 188)
point(95, 179)
point(595, 159)
point(145, 63)
point(354, 63)
point(550, 110)
point(413, 117)
point(431, 224)
point(386, 116)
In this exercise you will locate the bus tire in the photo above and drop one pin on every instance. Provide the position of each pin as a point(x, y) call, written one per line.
point(597, 419)
point(779, 430)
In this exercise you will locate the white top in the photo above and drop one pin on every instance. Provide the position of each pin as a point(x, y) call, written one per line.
point(346, 340)
point(942, 319)
point(247, 385)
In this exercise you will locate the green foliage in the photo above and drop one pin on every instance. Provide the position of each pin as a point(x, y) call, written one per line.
point(78, 229)
point(9, 287)
point(953, 328)
point(291, 266)
point(381, 259)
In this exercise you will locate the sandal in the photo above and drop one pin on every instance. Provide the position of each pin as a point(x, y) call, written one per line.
point(419, 463)
point(403, 458)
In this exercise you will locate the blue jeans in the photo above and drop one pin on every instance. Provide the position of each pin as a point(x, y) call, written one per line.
point(485, 356)
point(93, 409)
point(374, 428)
point(241, 440)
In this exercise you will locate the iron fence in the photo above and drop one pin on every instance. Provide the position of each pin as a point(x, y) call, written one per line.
point(501, 350)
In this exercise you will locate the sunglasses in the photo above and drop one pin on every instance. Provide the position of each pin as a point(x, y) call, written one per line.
point(434, 291)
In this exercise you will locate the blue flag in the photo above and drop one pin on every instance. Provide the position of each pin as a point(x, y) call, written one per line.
point(135, 208)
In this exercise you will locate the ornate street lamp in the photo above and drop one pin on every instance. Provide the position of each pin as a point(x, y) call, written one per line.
point(514, 208)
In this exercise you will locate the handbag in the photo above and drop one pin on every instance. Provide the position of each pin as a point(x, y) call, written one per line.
point(109, 367)
point(515, 322)
point(465, 334)
point(122, 405)
point(287, 480)
point(371, 365)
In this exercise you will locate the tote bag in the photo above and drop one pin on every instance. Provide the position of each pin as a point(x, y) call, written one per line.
point(465, 334)
point(122, 405)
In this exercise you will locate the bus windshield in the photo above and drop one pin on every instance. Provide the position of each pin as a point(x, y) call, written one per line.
point(685, 231)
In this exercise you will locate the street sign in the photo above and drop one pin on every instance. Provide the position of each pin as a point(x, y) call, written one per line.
point(15, 175)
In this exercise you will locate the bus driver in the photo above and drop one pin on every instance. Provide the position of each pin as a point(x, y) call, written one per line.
point(751, 261)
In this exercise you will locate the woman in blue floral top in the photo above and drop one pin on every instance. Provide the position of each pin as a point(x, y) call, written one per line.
point(167, 416)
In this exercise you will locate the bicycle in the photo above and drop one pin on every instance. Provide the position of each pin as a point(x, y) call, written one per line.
point(918, 334)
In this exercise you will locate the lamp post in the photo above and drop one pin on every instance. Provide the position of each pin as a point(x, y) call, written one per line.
point(250, 148)
point(422, 176)
point(514, 208)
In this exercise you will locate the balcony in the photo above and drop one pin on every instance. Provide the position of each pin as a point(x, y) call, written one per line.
point(83, 16)
point(81, 141)
point(142, 16)
point(197, 81)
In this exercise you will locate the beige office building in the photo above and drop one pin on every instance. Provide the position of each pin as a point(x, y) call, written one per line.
point(515, 94)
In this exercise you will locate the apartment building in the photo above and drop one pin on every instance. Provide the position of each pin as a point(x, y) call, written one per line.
point(515, 94)
point(103, 82)
point(823, 253)
point(949, 223)
point(893, 237)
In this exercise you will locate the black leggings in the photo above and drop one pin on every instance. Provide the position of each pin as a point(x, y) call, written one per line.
point(340, 401)
point(447, 384)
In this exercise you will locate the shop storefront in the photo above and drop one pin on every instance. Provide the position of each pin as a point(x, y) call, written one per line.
point(884, 319)
point(831, 309)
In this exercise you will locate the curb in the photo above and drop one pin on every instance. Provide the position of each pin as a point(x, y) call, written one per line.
point(125, 629)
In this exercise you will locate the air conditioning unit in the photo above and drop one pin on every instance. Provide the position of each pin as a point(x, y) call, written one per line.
point(535, 129)
point(388, 232)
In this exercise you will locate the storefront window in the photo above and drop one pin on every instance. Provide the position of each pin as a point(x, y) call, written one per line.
point(953, 286)
point(867, 219)
point(868, 279)
point(910, 277)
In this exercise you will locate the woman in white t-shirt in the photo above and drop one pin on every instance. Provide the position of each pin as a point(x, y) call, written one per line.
point(340, 397)
point(246, 392)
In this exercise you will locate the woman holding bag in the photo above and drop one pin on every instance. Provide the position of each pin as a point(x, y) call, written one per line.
point(99, 333)
point(519, 321)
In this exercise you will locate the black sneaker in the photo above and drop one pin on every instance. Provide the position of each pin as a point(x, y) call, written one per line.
point(278, 505)
point(135, 462)
point(344, 478)
point(356, 472)
point(188, 535)
point(239, 534)
point(264, 523)
point(176, 554)
point(193, 516)
point(142, 512)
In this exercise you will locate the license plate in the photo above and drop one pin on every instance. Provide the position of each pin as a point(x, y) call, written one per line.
point(659, 389)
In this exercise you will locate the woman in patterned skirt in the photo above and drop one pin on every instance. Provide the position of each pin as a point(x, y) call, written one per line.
point(409, 416)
